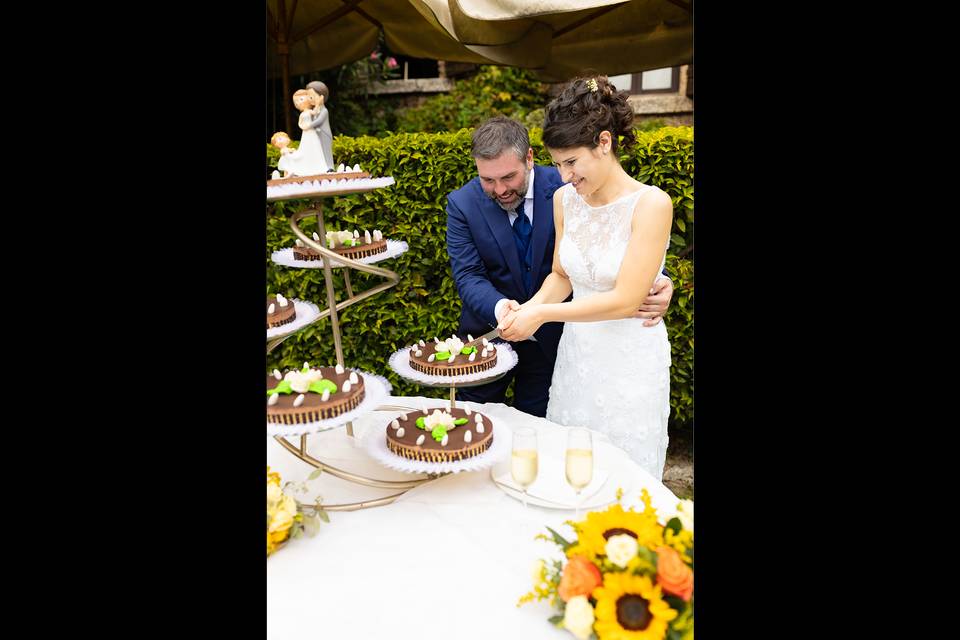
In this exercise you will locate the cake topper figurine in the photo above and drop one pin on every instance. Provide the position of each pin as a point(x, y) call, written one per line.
point(314, 156)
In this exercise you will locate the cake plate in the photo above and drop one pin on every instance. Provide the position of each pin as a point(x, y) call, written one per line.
point(333, 308)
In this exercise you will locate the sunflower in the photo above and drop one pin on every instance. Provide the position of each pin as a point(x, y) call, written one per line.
point(629, 607)
point(599, 526)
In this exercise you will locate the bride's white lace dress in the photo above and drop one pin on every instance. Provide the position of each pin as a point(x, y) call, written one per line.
point(611, 376)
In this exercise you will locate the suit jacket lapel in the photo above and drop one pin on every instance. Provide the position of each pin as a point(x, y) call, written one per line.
point(499, 225)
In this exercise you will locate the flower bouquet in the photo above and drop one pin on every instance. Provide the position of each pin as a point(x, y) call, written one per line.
point(286, 518)
point(625, 576)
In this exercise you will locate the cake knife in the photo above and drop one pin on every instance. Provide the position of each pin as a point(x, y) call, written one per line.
point(489, 336)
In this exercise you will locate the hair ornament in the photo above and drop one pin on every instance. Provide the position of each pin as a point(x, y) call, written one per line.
point(592, 85)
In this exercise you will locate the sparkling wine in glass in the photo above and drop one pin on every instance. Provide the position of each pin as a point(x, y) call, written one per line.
point(524, 460)
point(579, 461)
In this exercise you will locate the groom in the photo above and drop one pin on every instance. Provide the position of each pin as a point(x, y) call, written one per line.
point(500, 238)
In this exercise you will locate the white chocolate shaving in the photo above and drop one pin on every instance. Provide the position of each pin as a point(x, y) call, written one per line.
point(431, 357)
point(485, 342)
point(273, 399)
point(298, 401)
point(346, 386)
point(271, 308)
point(276, 374)
point(453, 357)
point(468, 437)
point(421, 439)
point(422, 343)
point(395, 424)
point(446, 439)
point(473, 356)
point(418, 353)
point(316, 238)
point(400, 432)
point(403, 417)
point(469, 338)
point(353, 377)
point(325, 395)
point(366, 237)
point(338, 368)
point(466, 409)
point(479, 427)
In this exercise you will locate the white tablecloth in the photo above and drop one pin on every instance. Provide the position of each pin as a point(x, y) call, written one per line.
point(448, 559)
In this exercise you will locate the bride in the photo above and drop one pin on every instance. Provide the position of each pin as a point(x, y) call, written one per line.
point(612, 372)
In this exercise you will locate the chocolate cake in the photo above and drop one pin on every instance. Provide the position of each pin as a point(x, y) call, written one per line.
point(312, 394)
point(450, 358)
point(280, 311)
point(437, 436)
point(353, 245)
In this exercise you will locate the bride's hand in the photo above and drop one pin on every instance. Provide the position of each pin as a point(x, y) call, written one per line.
point(654, 306)
point(520, 324)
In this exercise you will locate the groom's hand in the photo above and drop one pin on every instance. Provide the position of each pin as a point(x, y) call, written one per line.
point(655, 304)
point(520, 324)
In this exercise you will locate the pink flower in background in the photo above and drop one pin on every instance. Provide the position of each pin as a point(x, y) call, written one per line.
point(374, 55)
point(392, 63)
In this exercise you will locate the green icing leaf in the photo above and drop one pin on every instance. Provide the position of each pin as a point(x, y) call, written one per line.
point(468, 350)
point(438, 432)
point(443, 355)
point(319, 386)
point(420, 423)
point(460, 421)
point(283, 387)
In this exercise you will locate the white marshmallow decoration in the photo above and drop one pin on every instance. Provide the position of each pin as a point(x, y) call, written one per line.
point(356, 234)
point(400, 432)
point(473, 356)
point(340, 169)
point(403, 417)
point(421, 439)
point(479, 427)
point(453, 357)
point(273, 399)
point(467, 410)
point(298, 243)
point(422, 343)
point(339, 368)
point(356, 168)
point(325, 395)
point(353, 377)
point(298, 401)
point(469, 338)
point(468, 437)
point(446, 439)
point(366, 237)
point(395, 424)
point(277, 375)
point(346, 386)
point(316, 238)
point(431, 357)
point(283, 301)
point(485, 342)
point(271, 308)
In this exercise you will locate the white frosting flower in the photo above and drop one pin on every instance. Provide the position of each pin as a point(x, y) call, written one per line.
point(438, 418)
point(299, 382)
point(621, 549)
point(453, 344)
point(578, 617)
point(685, 514)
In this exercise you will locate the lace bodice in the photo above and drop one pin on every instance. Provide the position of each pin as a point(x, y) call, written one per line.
point(595, 240)
point(611, 376)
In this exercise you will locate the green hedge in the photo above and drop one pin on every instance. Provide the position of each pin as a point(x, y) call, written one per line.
point(427, 166)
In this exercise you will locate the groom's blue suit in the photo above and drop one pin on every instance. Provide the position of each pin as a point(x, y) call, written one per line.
point(487, 267)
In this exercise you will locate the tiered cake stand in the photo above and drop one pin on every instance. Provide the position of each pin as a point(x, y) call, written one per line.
point(332, 310)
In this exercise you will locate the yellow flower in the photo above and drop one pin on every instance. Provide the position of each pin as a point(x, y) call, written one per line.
point(629, 607)
point(539, 573)
point(578, 617)
point(599, 526)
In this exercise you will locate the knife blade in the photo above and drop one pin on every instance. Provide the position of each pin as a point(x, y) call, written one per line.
point(489, 336)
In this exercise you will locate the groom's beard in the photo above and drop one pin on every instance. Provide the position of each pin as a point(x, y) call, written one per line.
point(521, 193)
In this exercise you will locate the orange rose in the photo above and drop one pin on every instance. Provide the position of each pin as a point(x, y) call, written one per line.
point(580, 577)
point(673, 574)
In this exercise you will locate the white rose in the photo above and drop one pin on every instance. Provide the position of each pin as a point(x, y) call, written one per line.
point(274, 493)
point(621, 549)
point(578, 617)
point(344, 236)
point(298, 381)
point(313, 375)
point(437, 418)
point(685, 514)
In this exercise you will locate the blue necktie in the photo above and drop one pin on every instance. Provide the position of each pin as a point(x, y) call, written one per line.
point(522, 230)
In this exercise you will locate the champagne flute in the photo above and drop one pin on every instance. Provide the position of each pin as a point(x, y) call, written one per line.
point(579, 461)
point(524, 461)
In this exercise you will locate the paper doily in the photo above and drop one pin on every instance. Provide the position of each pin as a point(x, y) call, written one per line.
point(374, 442)
point(506, 359)
point(377, 391)
point(285, 256)
point(307, 312)
point(320, 187)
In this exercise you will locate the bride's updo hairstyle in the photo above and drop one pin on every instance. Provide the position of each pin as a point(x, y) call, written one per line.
point(584, 108)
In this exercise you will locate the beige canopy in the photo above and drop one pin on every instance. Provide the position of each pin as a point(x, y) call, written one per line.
point(558, 39)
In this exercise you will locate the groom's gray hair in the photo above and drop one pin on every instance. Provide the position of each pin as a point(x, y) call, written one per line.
point(498, 134)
